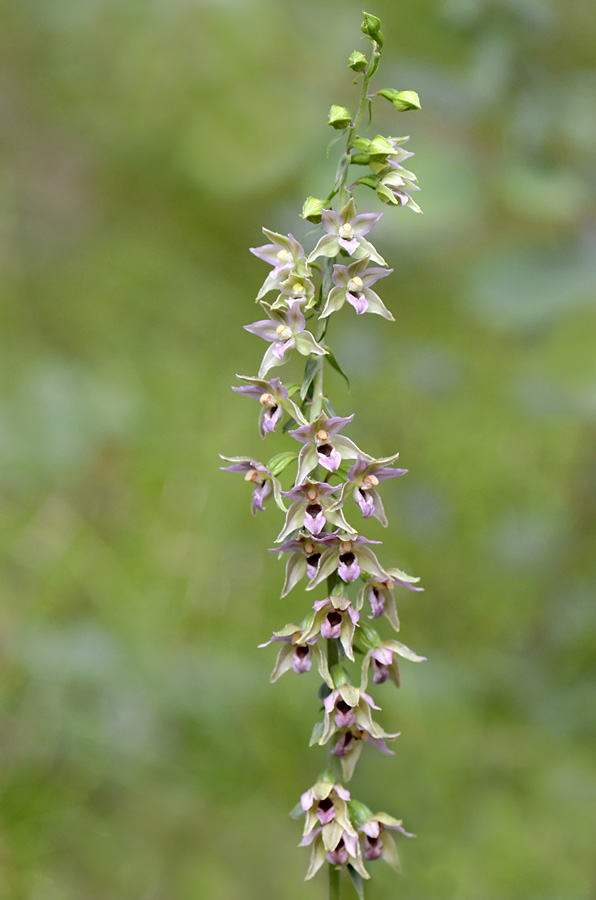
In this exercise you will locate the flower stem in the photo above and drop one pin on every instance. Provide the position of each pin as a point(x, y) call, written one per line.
point(334, 883)
point(344, 162)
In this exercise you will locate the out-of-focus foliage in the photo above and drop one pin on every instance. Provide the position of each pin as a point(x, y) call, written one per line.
point(144, 755)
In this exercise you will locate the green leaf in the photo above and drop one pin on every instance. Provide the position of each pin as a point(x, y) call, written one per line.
point(313, 364)
point(278, 463)
point(357, 882)
point(332, 360)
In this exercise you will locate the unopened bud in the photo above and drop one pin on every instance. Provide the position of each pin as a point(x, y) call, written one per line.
point(357, 61)
point(339, 117)
point(402, 100)
point(371, 27)
point(311, 209)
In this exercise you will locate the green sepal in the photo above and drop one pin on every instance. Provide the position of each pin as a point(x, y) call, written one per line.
point(361, 143)
point(292, 388)
point(334, 363)
point(311, 209)
point(402, 100)
point(316, 733)
point(380, 146)
point(313, 363)
point(278, 463)
point(357, 61)
point(360, 159)
point(297, 811)
point(339, 117)
point(357, 882)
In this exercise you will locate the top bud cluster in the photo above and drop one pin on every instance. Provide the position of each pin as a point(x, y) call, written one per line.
point(331, 472)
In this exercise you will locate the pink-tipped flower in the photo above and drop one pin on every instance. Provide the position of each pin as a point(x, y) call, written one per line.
point(324, 445)
point(379, 593)
point(347, 555)
point(264, 483)
point(345, 231)
point(353, 284)
point(363, 478)
point(312, 508)
point(274, 401)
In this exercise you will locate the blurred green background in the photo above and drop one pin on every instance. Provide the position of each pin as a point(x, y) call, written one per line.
point(144, 755)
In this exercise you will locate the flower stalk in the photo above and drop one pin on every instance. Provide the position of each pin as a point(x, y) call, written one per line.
point(336, 485)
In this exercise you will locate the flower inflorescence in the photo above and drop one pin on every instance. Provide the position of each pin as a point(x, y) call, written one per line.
point(333, 478)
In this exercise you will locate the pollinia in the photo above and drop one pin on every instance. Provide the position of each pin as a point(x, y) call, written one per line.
point(335, 480)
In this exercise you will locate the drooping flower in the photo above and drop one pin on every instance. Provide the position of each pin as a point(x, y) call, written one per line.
point(382, 660)
point(347, 708)
point(393, 159)
point(394, 188)
point(312, 509)
point(323, 445)
point(379, 593)
point(286, 255)
point(297, 653)
point(286, 331)
point(335, 617)
point(349, 556)
point(363, 478)
point(305, 553)
point(295, 289)
point(325, 802)
point(346, 230)
point(353, 283)
point(274, 400)
point(373, 829)
point(258, 475)
point(332, 844)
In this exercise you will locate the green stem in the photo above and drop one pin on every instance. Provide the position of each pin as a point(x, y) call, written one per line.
point(344, 163)
point(334, 884)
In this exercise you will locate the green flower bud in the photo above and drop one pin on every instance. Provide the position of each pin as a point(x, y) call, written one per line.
point(339, 117)
point(371, 27)
point(357, 61)
point(402, 100)
point(311, 209)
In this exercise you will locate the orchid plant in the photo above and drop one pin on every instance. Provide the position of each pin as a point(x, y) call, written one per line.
point(319, 542)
